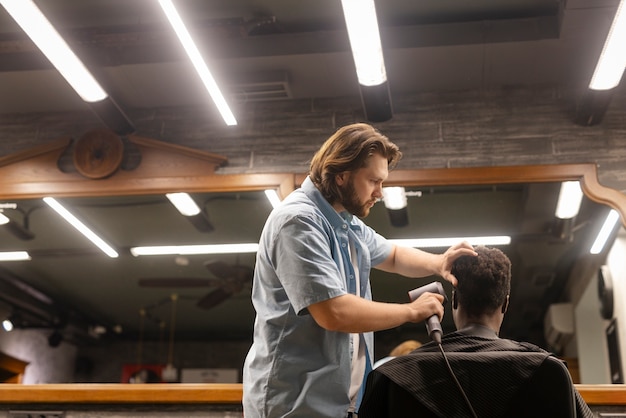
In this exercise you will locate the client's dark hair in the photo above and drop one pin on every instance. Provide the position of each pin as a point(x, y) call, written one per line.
point(483, 281)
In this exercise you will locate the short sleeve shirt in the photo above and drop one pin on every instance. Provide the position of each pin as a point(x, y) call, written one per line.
point(295, 367)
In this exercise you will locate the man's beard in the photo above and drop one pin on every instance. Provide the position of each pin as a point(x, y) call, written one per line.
point(350, 201)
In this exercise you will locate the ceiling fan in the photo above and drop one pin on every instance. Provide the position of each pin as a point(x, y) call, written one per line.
point(229, 280)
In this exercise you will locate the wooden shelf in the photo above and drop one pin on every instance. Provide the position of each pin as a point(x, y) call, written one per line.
point(192, 393)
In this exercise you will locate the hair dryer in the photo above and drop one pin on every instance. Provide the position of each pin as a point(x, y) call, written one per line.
point(433, 326)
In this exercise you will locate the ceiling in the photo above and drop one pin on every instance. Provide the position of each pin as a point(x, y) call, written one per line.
point(259, 49)
point(286, 50)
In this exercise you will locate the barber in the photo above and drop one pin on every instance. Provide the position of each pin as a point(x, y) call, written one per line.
point(315, 318)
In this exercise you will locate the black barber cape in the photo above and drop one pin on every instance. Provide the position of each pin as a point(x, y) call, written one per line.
point(419, 384)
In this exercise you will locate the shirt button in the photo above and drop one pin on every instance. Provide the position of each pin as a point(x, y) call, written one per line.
point(343, 244)
point(344, 226)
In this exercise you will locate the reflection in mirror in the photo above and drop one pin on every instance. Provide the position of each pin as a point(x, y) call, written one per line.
point(89, 288)
point(548, 255)
point(70, 286)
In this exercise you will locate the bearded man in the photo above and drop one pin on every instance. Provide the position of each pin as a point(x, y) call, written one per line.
point(315, 317)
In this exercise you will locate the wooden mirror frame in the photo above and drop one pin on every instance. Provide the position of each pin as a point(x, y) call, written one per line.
point(585, 173)
point(165, 167)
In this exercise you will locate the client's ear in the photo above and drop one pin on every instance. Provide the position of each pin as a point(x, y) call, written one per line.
point(455, 300)
point(505, 305)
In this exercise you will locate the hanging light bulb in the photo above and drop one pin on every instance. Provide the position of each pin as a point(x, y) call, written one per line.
point(169, 373)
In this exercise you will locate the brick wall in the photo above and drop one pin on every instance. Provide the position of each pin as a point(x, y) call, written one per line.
point(455, 129)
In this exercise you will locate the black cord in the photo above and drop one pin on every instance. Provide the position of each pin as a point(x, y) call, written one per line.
point(456, 381)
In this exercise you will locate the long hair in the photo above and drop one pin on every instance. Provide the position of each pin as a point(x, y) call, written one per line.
point(483, 281)
point(348, 150)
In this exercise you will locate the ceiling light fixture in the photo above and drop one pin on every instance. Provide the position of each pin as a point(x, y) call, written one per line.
point(367, 51)
point(195, 249)
point(272, 196)
point(197, 61)
point(48, 40)
point(395, 201)
point(7, 325)
point(570, 198)
point(3, 219)
point(80, 227)
point(610, 66)
point(605, 232)
point(184, 203)
point(447, 242)
point(394, 197)
point(14, 256)
point(191, 211)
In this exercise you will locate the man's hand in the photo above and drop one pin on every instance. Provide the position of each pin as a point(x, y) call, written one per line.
point(426, 305)
point(451, 254)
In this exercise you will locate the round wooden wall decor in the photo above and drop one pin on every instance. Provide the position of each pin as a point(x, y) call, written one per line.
point(98, 153)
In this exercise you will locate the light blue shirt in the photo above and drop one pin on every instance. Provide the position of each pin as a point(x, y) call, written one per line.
point(295, 368)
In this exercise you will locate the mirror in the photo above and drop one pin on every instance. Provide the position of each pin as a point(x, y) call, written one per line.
point(104, 291)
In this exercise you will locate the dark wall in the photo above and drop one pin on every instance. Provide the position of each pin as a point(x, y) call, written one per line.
point(456, 129)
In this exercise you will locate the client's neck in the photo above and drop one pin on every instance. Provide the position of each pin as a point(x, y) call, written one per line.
point(492, 322)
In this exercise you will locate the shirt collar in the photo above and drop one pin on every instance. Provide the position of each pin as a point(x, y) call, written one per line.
point(320, 201)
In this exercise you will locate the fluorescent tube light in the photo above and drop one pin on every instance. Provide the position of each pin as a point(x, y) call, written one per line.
point(197, 61)
point(48, 40)
point(447, 242)
point(612, 62)
point(14, 256)
point(570, 198)
point(272, 196)
point(605, 232)
point(394, 198)
point(184, 203)
point(3, 219)
point(81, 227)
point(195, 249)
point(367, 50)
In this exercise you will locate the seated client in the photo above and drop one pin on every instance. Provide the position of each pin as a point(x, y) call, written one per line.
point(420, 381)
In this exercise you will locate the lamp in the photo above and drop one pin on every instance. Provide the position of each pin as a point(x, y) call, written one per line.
point(184, 203)
point(195, 249)
point(54, 47)
point(80, 227)
point(14, 255)
point(190, 209)
point(607, 73)
point(570, 198)
point(367, 51)
point(567, 207)
point(169, 373)
point(610, 66)
point(446, 242)
point(5, 315)
point(197, 61)
point(7, 324)
point(272, 196)
point(395, 201)
point(605, 232)
point(18, 230)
